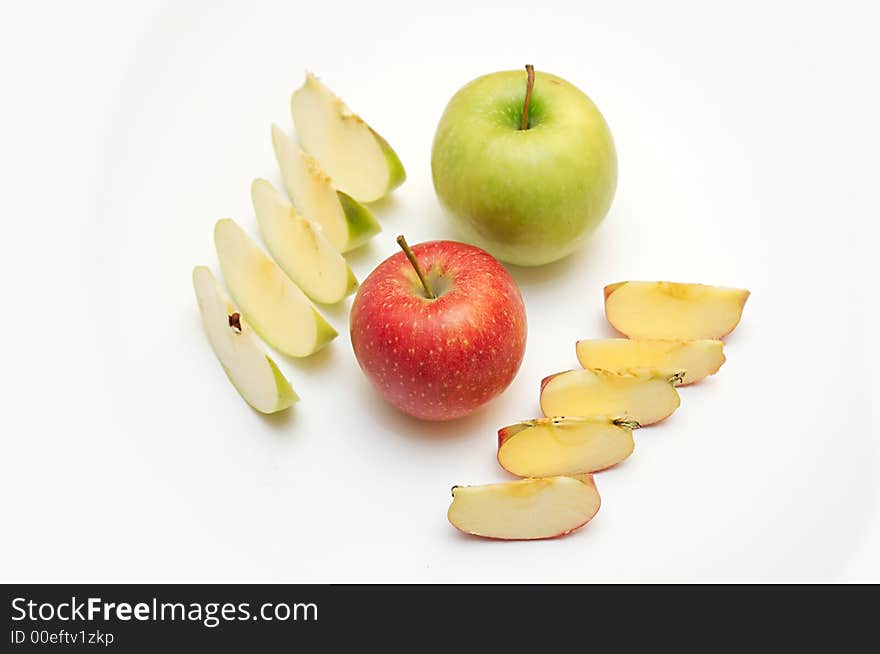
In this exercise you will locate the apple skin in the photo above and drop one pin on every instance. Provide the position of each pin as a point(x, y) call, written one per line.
point(443, 358)
point(530, 196)
point(546, 381)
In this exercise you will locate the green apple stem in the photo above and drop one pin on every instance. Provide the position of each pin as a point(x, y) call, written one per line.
point(415, 264)
point(530, 83)
point(235, 322)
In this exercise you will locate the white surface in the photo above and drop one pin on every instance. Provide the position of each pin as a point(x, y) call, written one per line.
point(747, 141)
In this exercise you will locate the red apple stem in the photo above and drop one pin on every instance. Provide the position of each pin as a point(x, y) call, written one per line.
point(530, 83)
point(415, 264)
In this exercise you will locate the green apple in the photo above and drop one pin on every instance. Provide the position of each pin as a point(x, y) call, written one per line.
point(300, 247)
point(525, 165)
point(276, 307)
point(347, 223)
point(254, 375)
point(360, 162)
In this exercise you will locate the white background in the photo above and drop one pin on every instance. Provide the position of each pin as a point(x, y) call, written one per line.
point(747, 138)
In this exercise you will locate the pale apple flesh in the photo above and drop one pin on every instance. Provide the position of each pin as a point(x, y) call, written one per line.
point(671, 310)
point(300, 248)
point(273, 304)
point(564, 446)
point(358, 160)
point(645, 395)
point(253, 374)
point(527, 509)
point(697, 359)
point(347, 224)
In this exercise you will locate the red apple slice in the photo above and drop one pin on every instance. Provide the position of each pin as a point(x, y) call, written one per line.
point(697, 359)
point(564, 446)
point(672, 310)
point(527, 509)
point(645, 395)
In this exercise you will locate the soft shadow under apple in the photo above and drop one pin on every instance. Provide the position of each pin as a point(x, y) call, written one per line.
point(280, 423)
point(475, 425)
point(365, 254)
point(316, 361)
point(388, 203)
point(535, 276)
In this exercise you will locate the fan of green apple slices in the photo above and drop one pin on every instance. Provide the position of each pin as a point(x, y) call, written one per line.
point(306, 240)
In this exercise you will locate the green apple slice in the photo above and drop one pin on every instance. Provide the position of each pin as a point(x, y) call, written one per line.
point(276, 307)
point(359, 161)
point(347, 223)
point(300, 247)
point(254, 375)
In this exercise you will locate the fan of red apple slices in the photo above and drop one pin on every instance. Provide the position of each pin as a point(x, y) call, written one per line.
point(590, 413)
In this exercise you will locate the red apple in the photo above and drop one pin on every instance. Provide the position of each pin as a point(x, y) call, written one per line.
point(439, 329)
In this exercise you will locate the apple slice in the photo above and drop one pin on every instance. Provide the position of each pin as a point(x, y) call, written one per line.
point(360, 162)
point(527, 509)
point(672, 310)
point(276, 308)
point(347, 223)
point(645, 395)
point(564, 446)
point(300, 248)
point(697, 359)
point(254, 375)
